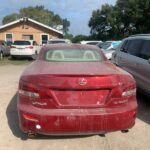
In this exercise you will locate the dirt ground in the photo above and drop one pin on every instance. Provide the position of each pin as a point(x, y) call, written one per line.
point(11, 138)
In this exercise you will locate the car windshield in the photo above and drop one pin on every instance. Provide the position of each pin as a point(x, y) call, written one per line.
point(55, 42)
point(106, 45)
point(21, 43)
point(73, 55)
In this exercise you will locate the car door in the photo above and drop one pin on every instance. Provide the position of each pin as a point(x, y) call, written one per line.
point(128, 56)
point(143, 67)
point(6, 48)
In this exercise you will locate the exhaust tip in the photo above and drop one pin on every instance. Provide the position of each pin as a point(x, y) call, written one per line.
point(102, 135)
point(124, 131)
point(32, 135)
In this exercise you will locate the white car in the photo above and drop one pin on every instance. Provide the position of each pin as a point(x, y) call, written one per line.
point(24, 48)
point(58, 41)
point(91, 42)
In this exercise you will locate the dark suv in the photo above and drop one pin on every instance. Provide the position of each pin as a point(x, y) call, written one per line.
point(4, 48)
point(133, 55)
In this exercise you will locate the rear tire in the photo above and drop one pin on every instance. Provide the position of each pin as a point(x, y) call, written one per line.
point(13, 57)
point(34, 56)
point(1, 55)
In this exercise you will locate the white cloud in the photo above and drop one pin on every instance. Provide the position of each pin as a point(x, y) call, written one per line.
point(77, 11)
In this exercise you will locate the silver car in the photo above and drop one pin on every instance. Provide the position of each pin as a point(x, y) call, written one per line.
point(4, 49)
point(133, 55)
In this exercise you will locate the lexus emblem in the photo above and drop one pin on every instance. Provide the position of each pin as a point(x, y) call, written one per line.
point(82, 81)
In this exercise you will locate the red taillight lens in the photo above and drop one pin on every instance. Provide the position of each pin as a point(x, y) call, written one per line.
point(12, 46)
point(121, 96)
point(35, 95)
point(30, 47)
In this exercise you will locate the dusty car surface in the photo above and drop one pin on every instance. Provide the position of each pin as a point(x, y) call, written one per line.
point(73, 89)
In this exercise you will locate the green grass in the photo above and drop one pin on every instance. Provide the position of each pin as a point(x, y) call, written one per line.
point(8, 61)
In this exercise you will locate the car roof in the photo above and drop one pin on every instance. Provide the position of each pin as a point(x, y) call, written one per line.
point(139, 36)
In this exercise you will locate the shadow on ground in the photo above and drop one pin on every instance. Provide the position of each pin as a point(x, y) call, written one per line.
point(12, 118)
point(143, 107)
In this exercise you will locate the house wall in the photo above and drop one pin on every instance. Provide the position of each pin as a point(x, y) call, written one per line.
point(28, 28)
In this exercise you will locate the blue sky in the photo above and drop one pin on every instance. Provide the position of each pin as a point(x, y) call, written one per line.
point(78, 12)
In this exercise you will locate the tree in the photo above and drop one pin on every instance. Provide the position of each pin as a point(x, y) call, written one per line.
point(101, 22)
point(127, 17)
point(79, 38)
point(10, 18)
point(39, 13)
point(66, 24)
point(68, 36)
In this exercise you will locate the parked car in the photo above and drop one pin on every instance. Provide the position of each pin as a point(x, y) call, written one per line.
point(59, 41)
point(133, 55)
point(91, 42)
point(73, 89)
point(4, 49)
point(24, 48)
point(109, 47)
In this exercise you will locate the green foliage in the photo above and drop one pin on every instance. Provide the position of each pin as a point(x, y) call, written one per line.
point(39, 13)
point(68, 36)
point(127, 17)
point(79, 38)
point(10, 18)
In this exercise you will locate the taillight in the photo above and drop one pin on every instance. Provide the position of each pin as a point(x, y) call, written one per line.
point(30, 47)
point(130, 92)
point(35, 95)
point(12, 46)
point(121, 96)
point(29, 94)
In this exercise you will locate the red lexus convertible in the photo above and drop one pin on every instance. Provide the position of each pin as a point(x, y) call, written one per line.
point(73, 89)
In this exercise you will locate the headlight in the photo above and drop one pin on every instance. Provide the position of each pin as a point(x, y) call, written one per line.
point(129, 93)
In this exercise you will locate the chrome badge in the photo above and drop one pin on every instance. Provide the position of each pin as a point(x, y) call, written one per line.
point(82, 81)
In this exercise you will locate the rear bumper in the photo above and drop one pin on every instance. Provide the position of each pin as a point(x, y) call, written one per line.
point(76, 121)
point(15, 52)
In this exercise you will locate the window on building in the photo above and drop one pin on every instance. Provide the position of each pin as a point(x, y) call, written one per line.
point(27, 37)
point(44, 38)
point(9, 37)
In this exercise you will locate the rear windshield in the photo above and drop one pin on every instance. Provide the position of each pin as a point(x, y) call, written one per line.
point(73, 55)
point(55, 42)
point(21, 43)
